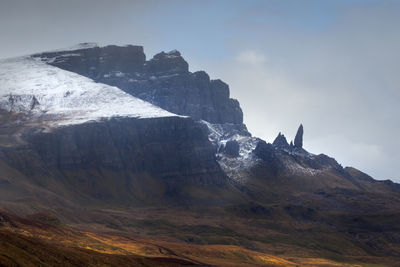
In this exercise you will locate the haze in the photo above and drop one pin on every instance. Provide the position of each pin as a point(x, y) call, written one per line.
point(331, 65)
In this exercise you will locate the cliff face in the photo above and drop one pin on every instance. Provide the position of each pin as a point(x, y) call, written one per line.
point(164, 80)
point(79, 139)
point(121, 159)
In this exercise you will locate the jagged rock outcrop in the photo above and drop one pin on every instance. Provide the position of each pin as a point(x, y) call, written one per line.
point(281, 142)
point(167, 64)
point(265, 151)
point(164, 80)
point(298, 140)
point(293, 159)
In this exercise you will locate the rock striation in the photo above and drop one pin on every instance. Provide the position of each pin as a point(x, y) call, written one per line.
point(119, 159)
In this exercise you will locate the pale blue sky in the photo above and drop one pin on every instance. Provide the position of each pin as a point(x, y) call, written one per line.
point(331, 65)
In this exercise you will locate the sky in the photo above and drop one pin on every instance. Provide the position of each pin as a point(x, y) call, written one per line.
point(330, 65)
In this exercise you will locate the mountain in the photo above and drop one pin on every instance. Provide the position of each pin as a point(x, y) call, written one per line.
point(62, 127)
point(164, 80)
point(106, 142)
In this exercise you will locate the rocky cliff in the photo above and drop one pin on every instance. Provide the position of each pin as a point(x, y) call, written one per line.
point(122, 160)
point(64, 133)
point(164, 80)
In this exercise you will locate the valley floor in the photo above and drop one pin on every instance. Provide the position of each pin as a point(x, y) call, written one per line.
point(41, 240)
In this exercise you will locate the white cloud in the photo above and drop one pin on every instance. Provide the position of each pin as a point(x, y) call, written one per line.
point(250, 57)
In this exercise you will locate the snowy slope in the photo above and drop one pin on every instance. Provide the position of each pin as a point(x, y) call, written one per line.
point(41, 90)
point(234, 167)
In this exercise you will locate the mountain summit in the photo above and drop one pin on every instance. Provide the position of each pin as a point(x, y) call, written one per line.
point(164, 80)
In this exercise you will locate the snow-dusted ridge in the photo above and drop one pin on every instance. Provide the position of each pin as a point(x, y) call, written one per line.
point(77, 47)
point(85, 45)
point(38, 89)
point(234, 167)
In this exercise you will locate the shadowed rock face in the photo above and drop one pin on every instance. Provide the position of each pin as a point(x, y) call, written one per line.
point(164, 80)
point(232, 148)
point(169, 147)
point(265, 151)
point(281, 142)
point(95, 62)
point(120, 158)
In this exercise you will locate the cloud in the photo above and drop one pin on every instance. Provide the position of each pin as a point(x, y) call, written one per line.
point(250, 57)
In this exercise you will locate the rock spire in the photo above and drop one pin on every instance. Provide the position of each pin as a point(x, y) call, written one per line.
point(298, 140)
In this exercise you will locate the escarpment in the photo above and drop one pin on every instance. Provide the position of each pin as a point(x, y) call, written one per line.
point(164, 80)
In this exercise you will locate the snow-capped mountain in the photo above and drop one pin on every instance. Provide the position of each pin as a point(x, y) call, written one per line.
point(164, 80)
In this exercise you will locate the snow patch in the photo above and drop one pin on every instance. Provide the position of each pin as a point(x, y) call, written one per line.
point(117, 74)
point(59, 58)
point(172, 54)
point(31, 86)
point(295, 168)
point(235, 167)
